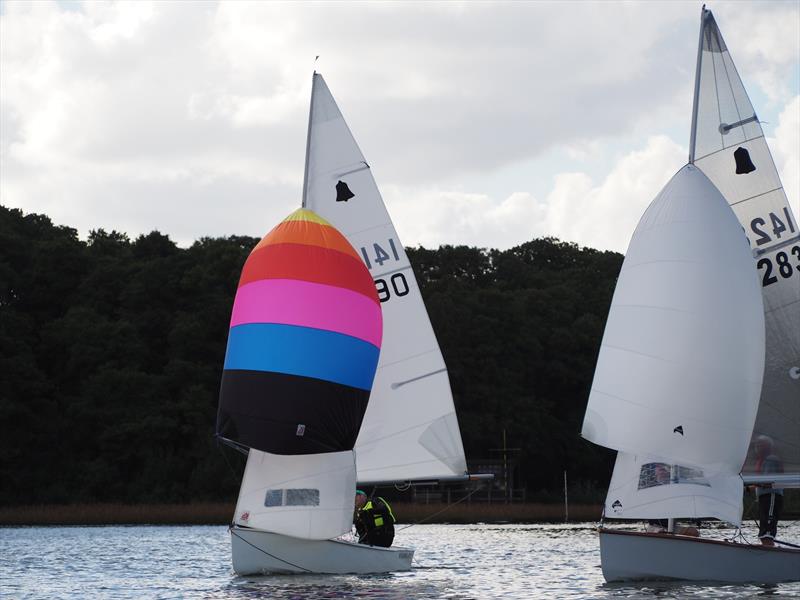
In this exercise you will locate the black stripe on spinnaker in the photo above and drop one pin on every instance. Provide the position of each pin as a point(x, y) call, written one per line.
point(289, 414)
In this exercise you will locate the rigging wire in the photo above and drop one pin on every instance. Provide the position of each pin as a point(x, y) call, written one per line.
point(233, 469)
point(438, 512)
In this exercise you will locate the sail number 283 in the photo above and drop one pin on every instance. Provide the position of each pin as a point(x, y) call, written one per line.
point(785, 265)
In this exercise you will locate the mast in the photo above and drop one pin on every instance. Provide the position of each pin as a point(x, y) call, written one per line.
point(695, 102)
point(308, 137)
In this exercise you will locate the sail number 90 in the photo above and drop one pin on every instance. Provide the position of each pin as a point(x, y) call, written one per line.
point(397, 286)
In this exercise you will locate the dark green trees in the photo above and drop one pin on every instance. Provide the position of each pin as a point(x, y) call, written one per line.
point(111, 352)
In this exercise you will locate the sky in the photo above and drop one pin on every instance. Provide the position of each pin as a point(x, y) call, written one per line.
point(486, 124)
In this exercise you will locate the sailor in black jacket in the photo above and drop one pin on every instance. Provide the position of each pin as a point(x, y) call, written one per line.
point(374, 521)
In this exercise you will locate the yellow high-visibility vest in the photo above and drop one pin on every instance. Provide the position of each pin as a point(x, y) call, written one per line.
point(378, 519)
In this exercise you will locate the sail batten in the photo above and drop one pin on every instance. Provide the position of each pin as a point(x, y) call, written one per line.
point(410, 412)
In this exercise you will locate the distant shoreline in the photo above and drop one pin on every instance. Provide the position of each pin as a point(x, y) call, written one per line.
point(221, 513)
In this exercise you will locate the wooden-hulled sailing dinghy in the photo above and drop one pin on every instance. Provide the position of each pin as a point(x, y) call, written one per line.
point(628, 555)
point(682, 385)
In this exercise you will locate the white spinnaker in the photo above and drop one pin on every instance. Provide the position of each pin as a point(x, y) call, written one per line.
point(410, 430)
point(759, 202)
point(681, 361)
point(307, 496)
point(637, 491)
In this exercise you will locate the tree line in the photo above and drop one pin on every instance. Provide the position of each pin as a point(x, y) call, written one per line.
point(111, 352)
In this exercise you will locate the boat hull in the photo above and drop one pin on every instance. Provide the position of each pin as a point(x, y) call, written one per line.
point(631, 556)
point(257, 552)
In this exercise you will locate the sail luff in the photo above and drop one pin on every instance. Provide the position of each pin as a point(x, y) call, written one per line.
point(692, 135)
point(308, 138)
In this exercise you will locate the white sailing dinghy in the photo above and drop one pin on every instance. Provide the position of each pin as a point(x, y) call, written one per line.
point(410, 431)
point(682, 364)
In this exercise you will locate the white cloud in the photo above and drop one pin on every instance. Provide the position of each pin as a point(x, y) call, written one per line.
point(602, 214)
point(190, 117)
point(786, 149)
point(605, 215)
point(764, 41)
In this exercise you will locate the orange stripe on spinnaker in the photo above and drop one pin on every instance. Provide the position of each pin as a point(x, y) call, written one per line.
point(310, 234)
point(304, 262)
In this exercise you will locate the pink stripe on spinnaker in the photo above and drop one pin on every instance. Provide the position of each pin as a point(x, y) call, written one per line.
point(308, 304)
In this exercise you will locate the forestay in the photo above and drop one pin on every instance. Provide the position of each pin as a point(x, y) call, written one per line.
point(681, 361)
point(730, 148)
point(410, 430)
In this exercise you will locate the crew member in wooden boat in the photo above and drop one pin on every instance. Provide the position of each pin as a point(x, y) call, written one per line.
point(374, 520)
point(770, 499)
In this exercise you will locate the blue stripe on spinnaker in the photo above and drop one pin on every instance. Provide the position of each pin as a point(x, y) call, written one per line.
point(304, 351)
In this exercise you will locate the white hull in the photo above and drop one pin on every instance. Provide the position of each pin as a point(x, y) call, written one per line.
point(257, 552)
point(628, 556)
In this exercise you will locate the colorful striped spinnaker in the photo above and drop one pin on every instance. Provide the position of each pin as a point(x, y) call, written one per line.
point(303, 345)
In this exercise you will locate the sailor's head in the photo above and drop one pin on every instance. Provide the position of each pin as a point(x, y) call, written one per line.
point(662, 473)
point(361, 498)
point(763, 445)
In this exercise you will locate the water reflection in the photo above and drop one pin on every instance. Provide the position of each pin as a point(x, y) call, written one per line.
point(452, 561)
point(338, 586)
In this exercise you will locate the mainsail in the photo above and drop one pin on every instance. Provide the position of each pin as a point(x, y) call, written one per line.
point(410, 430)
point(681, 362)
point(303, 346)
point(728, 145)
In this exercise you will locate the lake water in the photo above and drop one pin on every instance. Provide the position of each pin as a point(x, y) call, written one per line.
point(453, 561)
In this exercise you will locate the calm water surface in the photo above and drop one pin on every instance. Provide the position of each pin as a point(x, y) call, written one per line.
point(453, 561)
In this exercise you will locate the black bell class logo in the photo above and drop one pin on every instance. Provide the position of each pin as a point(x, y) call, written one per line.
point(743, 163)
point(343, 193)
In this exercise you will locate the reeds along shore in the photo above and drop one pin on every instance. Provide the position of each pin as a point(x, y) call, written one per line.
point(221, 513)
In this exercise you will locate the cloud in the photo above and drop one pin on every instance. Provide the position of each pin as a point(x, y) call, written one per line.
point(599, 214)
point(190, 117)
point(764, 41)
point(786, 151)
